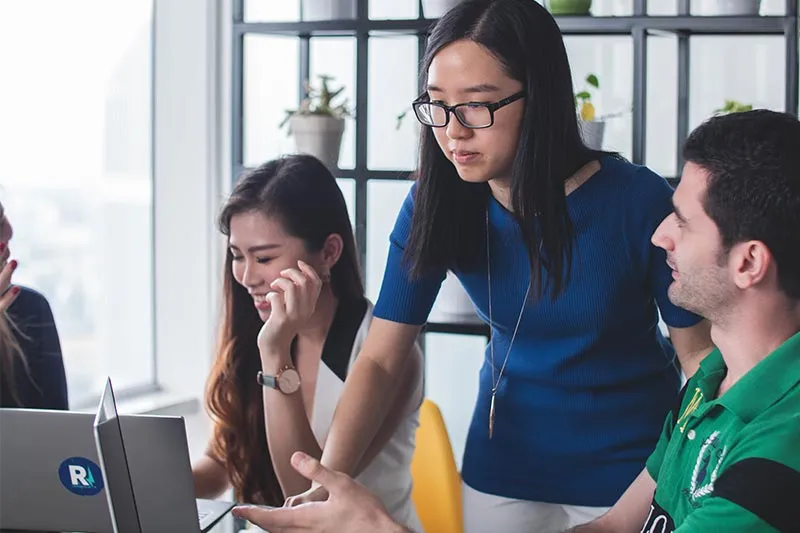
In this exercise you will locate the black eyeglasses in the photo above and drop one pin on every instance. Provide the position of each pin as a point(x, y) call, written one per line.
point(473, 115)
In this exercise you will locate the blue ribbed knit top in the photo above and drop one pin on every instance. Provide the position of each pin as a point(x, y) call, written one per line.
point(589, 378)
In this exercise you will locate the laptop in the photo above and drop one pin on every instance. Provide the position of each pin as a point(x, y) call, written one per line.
point(50, 476)
point(170, 507)
point(50, 479)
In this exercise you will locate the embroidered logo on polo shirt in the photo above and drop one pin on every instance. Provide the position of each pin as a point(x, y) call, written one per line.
point(706, 467)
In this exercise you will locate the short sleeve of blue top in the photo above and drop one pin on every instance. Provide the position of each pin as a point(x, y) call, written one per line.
point(590, 377)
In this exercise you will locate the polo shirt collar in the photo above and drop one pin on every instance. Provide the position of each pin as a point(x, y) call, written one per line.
point(762, 386)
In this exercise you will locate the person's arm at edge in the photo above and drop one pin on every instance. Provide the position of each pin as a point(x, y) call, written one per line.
point(629, 513)
point(288, 429)
point(210, 477)
point(407, 399)
point(692, 345)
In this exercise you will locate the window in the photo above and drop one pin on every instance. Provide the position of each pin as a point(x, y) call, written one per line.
point(77, 180)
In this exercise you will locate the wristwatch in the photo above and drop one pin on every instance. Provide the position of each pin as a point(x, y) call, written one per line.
point(287, 380)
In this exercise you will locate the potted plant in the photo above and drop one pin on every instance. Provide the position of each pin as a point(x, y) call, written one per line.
point(726, 7)
point(732, 106)
point(433, 9)
point(592, 127)
point(318, 124)
point(328, 9)
point(569, 7)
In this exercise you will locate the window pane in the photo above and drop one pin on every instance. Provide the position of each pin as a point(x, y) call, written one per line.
point(271, 11)
point(662, 105)
point(751, 70)
point(348, 187)
point(392, 88)
point(611, 60)
point(336, 56)
point(384, 199)
point(76, 178)
point(270, 86)
point(393, 9)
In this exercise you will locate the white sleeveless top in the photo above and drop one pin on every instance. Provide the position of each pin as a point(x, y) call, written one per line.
point(388, 476)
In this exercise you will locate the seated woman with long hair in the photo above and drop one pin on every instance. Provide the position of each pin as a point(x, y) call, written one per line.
point(295, 317)
point(31, 366)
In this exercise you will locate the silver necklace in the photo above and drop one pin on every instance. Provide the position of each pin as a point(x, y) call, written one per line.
point(496, 383)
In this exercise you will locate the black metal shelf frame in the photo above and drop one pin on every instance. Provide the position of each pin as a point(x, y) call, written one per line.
point(639, 26)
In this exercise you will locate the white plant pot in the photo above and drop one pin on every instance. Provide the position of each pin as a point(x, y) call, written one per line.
point(433, 9)
point(328, 9)
point(318, 135)
point(592, 132)
point(726, 7)
point(453, 304)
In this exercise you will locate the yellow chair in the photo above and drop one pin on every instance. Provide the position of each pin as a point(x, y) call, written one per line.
point(437, 483)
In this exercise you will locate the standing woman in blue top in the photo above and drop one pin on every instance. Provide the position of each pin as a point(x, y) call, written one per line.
point(31, 367)
point(551, 240)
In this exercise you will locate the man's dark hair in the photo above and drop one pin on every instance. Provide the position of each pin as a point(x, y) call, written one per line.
point(753, 165)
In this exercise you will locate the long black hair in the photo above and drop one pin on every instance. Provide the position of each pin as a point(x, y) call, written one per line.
point(447, 228)
point(303, 195)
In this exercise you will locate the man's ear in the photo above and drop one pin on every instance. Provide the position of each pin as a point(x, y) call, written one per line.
point(752, 263)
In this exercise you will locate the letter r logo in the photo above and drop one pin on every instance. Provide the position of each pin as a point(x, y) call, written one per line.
point(77, 475)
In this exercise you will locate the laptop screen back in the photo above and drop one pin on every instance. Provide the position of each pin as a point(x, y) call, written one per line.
point(114, 463)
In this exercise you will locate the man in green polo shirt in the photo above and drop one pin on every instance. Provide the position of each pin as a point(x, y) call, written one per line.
point(729, 456)
point(728, 459)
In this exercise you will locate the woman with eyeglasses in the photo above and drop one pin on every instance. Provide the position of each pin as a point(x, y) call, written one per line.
point(551, 240)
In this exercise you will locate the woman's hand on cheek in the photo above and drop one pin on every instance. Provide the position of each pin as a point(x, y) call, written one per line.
point(292, 302)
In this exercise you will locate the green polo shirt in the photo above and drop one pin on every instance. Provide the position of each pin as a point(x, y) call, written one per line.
point(732, 463)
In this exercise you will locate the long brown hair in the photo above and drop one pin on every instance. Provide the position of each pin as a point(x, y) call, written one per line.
point(10, 356)
point(303, 195)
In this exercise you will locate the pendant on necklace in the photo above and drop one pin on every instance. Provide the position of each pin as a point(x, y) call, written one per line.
point(491, 416)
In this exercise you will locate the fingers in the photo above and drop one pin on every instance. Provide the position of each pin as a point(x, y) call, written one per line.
point(310, 272)
point(313, 470)
point(280, 519)
point(316, 493)
point(8, 298)
point(302, 288)
point(294, 501)
point(277, 306)
point(305, 278)
point(289, 291)
point(5, 275)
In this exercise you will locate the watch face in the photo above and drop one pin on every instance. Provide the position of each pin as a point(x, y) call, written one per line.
point(289, 381)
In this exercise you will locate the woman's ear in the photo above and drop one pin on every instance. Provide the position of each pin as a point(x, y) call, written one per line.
point(332, 251)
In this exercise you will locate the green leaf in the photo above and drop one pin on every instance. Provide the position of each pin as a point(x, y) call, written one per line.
point(591, 79)
point(583, 95)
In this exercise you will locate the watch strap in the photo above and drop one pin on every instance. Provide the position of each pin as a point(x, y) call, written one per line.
point(265, 380)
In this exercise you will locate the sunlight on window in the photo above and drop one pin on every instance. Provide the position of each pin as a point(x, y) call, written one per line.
point(76, 178)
